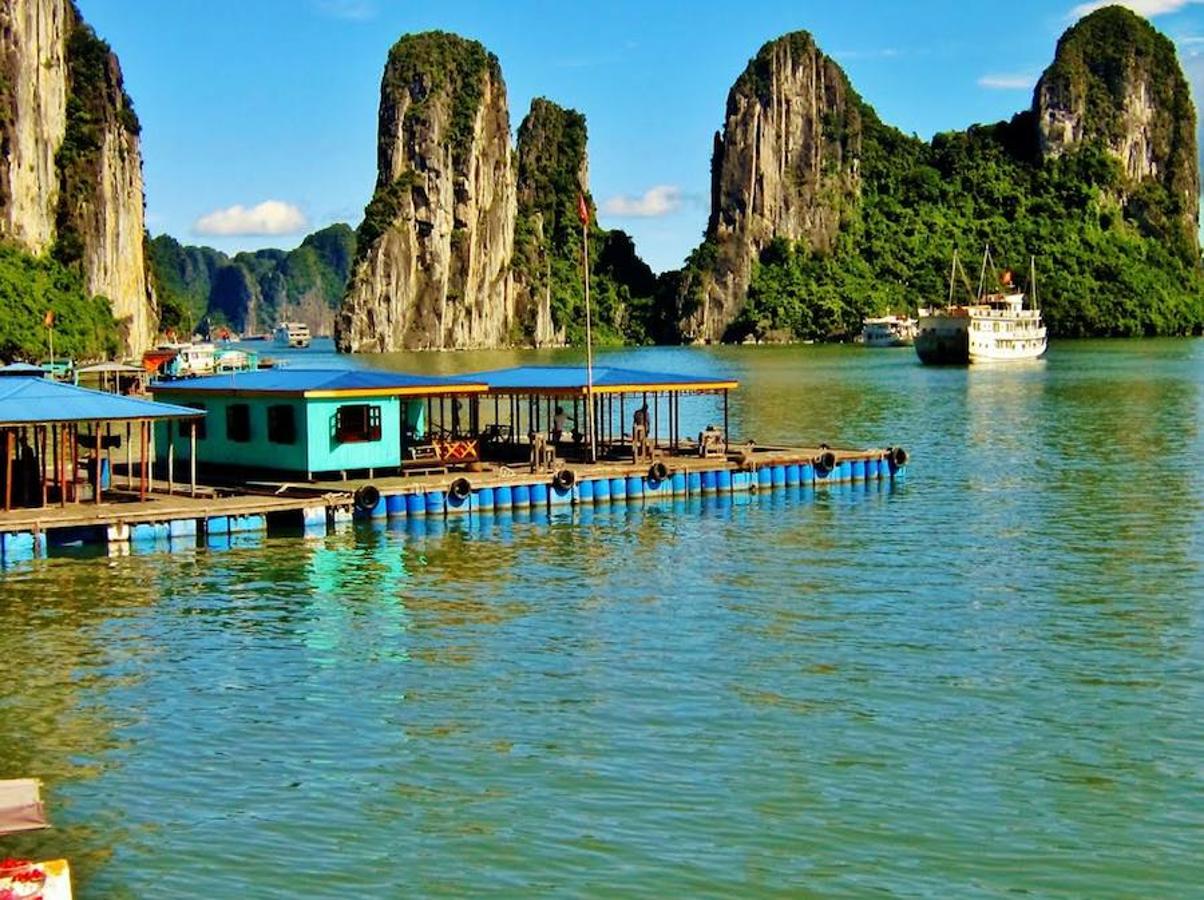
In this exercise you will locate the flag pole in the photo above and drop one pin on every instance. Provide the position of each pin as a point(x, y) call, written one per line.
point(583, 215)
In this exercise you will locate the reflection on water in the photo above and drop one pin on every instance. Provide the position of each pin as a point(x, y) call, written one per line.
point(983, 681)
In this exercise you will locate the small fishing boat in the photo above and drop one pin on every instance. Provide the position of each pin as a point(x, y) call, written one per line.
point(994, 327)
point(293, 334)
point(888, 331)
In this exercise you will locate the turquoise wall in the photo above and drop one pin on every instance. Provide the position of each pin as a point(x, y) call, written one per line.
point(328, 455)
point(315, 448)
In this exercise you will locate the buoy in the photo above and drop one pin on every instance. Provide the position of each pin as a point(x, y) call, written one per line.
point(658, 471)
point(460, 488)
point(366, 498)
point(564, 479)
point(825, 462)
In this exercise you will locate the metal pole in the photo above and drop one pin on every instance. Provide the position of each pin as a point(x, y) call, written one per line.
point(725, 422)
point(171, 459)
point(589, 340)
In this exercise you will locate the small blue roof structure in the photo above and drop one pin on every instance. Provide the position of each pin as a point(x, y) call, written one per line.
point(37, 401)
point(607, 380)
point(321, 383)
point(23, 369)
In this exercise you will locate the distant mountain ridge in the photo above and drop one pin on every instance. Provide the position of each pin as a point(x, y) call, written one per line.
point(252, 291)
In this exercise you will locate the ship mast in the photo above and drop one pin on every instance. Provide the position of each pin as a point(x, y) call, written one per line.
point(1032, 279)
point(952, 273)
point(982, 275)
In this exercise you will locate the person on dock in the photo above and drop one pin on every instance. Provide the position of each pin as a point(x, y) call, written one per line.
point(559, 421)
point(710, 442)
point(639, 435)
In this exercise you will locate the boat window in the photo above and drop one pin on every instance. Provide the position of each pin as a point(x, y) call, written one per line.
point(238, 422)
point(282, 424)
point(198, 424)
point(357, 423)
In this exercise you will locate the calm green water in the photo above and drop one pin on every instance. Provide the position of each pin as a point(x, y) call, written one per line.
point(985, 682)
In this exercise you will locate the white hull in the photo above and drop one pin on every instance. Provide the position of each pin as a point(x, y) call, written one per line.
point(1000, 330)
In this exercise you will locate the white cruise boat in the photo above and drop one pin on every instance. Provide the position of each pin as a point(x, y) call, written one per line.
point(994, 328)
point(888, 331)
point(292, 334)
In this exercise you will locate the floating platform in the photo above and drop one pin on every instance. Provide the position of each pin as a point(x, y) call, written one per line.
point(169, 521)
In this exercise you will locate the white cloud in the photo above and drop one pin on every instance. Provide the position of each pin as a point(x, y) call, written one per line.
point(660, 200)
point(269, 217)
point(1020, 81)
point(355, 10)
point(1147, 8)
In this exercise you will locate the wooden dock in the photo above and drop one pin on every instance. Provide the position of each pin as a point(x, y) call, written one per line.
point(170, 519)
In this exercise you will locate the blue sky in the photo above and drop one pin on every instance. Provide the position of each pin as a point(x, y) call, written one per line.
point(260, 115)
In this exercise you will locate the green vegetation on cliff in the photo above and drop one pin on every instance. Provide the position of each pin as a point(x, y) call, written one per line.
point(435, 66)
point(547, 239)
point(252, 289)
point(1115, 256)
point(1098, 272)
point(30, 287)
point(96, 100)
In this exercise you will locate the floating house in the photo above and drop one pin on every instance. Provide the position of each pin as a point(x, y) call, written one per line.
point(310, 421)
point(52, 432)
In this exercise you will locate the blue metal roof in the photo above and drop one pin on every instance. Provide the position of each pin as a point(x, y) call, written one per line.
point(606, 378)
point(26, 401)
point(303, 381)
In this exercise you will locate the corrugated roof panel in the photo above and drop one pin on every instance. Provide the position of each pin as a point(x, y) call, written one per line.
point(25, 401)
point(301, 381)
point(573, 378)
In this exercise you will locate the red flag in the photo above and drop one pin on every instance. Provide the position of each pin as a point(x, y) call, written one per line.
point(582, 209)
point(49, 320)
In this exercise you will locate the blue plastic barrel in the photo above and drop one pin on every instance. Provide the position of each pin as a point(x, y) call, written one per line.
point(778, 476)
point(844, 471)
point(679, 483)
point(806, 474)
point(694, 483)
point(503, 498)
point(618, 489)
point(434, 503)
point(585, 491)
point(521, 496)
point(793, 475)
point(635, 486)
point(601, 490)
point(484, 500)
point(539, 495)
point(415, 505)
point(395, 504)
point(858, 469)
point(765, 476)
point(710, 482)
point(723, 480)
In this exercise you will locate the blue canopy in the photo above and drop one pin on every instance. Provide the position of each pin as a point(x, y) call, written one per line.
point(29, 401)
point(319, 382)
point(607, 380)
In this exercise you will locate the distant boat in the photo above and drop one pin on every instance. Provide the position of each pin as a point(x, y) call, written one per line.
point(292, 334)
point(888, 331)
point(995, 327)
point(181, 360)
